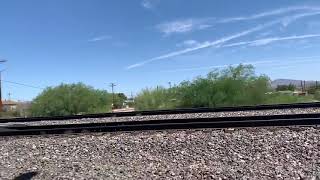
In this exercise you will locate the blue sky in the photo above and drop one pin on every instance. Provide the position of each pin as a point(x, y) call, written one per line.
point(144, 43)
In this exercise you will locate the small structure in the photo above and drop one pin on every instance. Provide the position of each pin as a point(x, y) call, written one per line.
point(9, 105)
point(300, 93)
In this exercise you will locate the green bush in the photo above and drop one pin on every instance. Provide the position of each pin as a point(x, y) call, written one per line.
point(229, 87)
point(9, 114)
point(281, 98)
point(233, 86)
point(313, 89)
point(317, 95)
point(119, 99)
point(151, 99)
point(68, 99)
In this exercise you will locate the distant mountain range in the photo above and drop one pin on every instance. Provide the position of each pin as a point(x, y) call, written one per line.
point(297, 83)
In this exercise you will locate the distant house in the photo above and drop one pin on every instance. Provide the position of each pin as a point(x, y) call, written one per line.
point(129, 100)
point(9, 105)
point(20, 107)
point(128, 103)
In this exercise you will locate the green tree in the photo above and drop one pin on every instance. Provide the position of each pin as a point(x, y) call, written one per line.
point(229, 87)
point(70, 99)
point(119, 99)
point(232, 86)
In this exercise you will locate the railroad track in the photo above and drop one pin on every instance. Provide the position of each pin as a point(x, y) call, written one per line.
point(194, 123)
point(165, 112)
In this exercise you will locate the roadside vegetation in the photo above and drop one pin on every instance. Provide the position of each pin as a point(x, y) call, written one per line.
point(67, 99)
point(317, 95)
point(232, 86)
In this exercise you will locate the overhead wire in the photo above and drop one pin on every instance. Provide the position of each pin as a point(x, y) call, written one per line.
point(22, 84)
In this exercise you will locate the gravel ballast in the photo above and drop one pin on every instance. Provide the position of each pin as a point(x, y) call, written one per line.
point(181, 116)
point(248, 153)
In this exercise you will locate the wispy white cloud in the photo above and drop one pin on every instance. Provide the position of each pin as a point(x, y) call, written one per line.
point(205, 44)
point(183, 26)
point(266, 41)
point(265, 33)
point(149, 4)
point(146, 4)
point(286, 21)
point(269, 13)
point(99, 38)
point(220, 41)
point(204, 26)
point(273, 62)
point(188, 43)
point(192, 24)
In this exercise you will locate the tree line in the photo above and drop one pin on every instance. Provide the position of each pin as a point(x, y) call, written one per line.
point(232, 86)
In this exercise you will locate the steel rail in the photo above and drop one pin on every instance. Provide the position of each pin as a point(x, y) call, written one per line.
point(165, 112)
point(194, 123)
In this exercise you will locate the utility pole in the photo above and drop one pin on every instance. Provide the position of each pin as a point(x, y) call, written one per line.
point(1, 104)
point(112, 87)
point(9, 96)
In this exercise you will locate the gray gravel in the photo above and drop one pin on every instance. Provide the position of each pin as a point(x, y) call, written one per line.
point(251, 153)
point(182, 116)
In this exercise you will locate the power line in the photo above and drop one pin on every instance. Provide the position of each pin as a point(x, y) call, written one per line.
point(22, 84)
